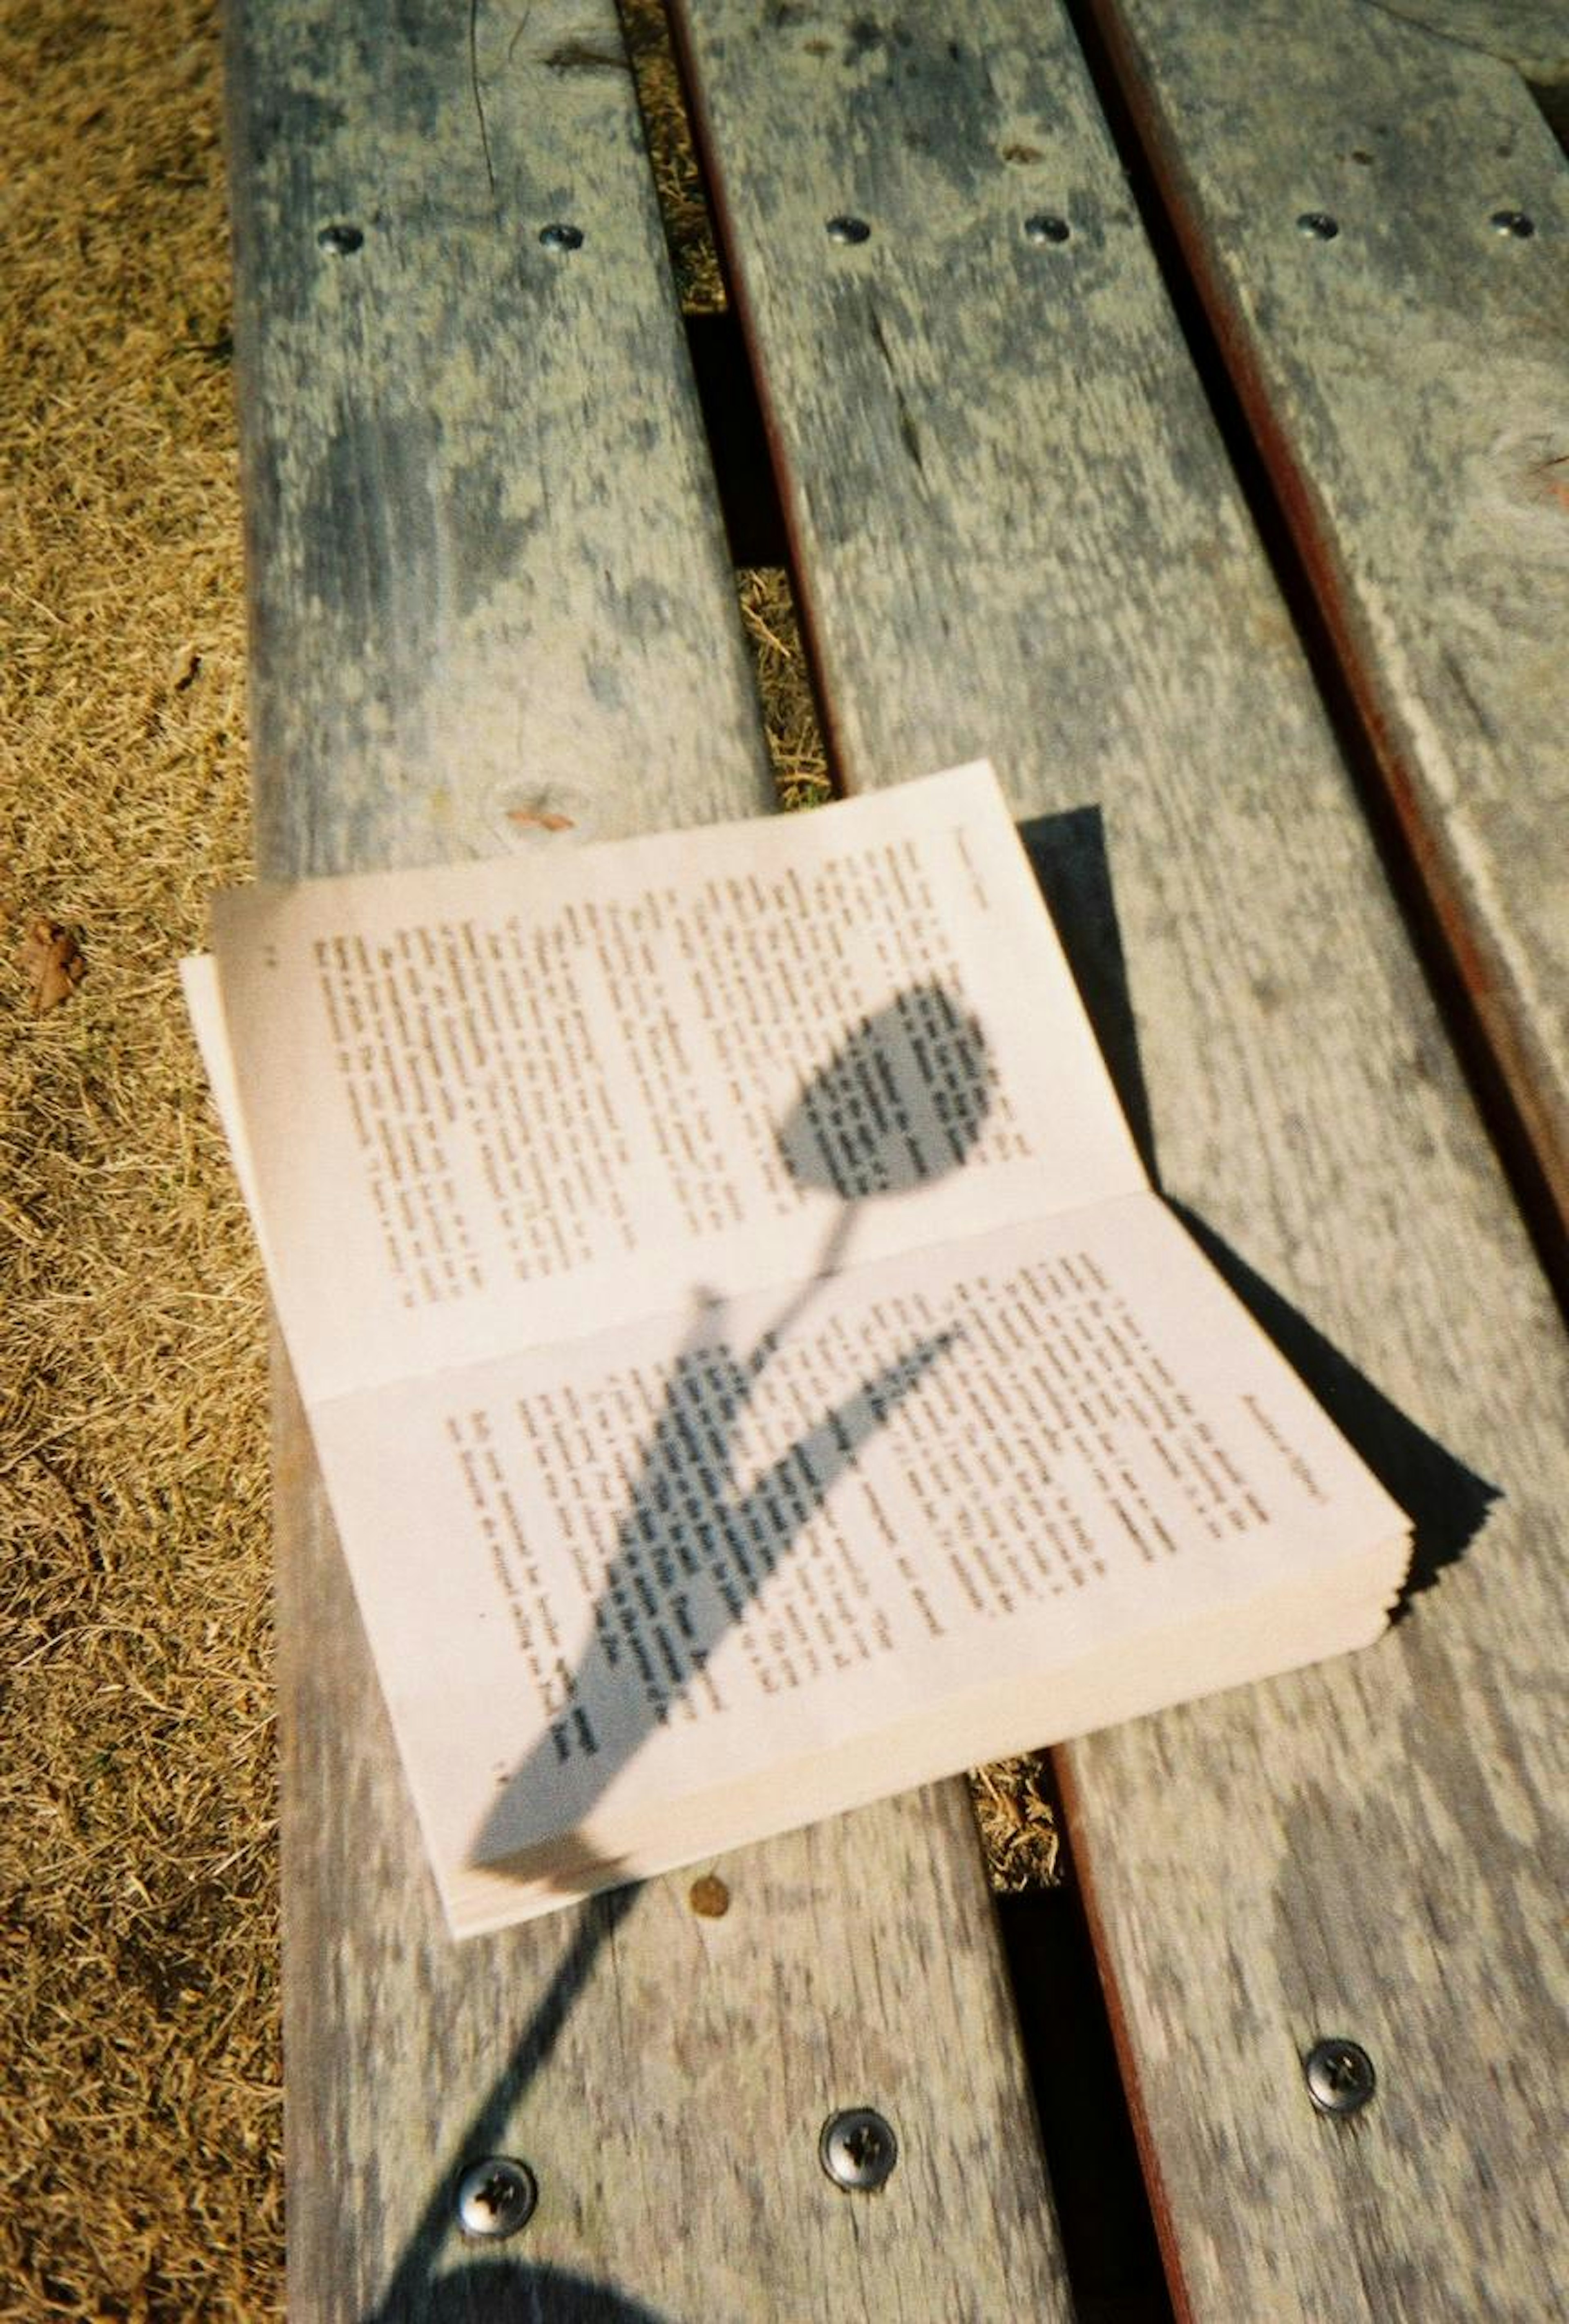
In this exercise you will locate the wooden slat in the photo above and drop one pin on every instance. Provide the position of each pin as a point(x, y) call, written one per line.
point(1408, 380)
point(488, 578)
point(1018, 533)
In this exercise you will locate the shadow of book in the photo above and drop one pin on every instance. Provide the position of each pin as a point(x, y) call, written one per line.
point(1445, 1501)
point(1067, 854)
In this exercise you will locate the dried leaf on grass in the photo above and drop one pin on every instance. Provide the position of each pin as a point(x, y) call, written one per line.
point(51, 961)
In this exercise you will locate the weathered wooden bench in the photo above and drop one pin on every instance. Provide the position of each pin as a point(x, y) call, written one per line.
point(490, 586)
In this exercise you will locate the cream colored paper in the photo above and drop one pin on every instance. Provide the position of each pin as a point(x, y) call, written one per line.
point(635, 1021)
point(750, 1370)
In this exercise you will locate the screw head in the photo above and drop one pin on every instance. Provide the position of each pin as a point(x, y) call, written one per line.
point(497, 2197)
point(847, 229)
point(1317, 226)
point(1340, 2075)
point(340, 241)
point(858, 2148)
point(559, 236)
point(1044, 227)
point(1517, 223)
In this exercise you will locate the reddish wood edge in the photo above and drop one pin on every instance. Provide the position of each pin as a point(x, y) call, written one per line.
point(735, 289)
point(1474, 957)
point(1080, 1857)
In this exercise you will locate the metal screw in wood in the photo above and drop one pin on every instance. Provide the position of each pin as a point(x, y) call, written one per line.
point(559, 236)
point(858, 2149)
point(496, 2198)
point(1515, 222)
point(1340, 2075)
point(847, 229)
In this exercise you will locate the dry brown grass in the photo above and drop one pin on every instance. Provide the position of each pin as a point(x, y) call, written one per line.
point(139, 2051)
point(1017, 1824)
point(795, 739)
point(673, 159)
point(138, 2022)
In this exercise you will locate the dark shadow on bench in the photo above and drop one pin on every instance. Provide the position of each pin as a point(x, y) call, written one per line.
point(519, 2291)
point(498, 2292)
point(1445, 1501)
point(1067, 854)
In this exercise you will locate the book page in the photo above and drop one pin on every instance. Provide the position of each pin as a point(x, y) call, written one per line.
point(611, 1575)
point(499, 1104)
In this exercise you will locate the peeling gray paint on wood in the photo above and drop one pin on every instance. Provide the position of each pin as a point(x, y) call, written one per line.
point(1410, 381)
point(1065, 577)
point(488, 578)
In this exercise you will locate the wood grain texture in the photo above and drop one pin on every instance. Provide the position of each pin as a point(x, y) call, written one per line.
point(484, 549)
point(1018, 534)
point(487, 578)
point(1533, 35)
point(1409, 383)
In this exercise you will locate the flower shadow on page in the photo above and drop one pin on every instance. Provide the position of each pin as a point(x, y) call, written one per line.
point(901, 1103)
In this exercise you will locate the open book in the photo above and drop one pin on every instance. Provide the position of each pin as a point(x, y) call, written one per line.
point(751, 1370)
